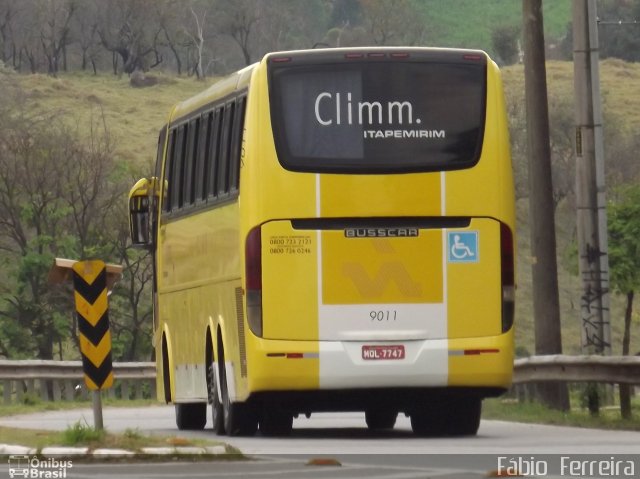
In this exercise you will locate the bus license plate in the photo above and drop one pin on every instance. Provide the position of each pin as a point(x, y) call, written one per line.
point(383, 352)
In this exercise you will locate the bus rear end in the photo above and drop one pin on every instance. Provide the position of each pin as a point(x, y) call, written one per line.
point(387, 284)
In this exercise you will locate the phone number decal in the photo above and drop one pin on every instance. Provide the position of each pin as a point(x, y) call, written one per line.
point(290, 244)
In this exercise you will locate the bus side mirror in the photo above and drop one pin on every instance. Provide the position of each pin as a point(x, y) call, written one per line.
point(141, 199)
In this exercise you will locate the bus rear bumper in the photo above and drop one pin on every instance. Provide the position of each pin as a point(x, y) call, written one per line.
point(482, 363)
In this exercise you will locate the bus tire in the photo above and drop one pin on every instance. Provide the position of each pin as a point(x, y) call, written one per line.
point(217, 415)
point(429, 421)
point(380, 419)
point(276, 422)
point(239, 419)
point(166, 379)
point(191, 416)
point(464, 417)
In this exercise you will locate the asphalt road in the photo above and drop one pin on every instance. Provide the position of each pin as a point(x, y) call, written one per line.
point(346, 434)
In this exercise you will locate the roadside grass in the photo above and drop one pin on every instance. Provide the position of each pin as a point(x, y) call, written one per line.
point(507, 409)
point(33, 404)
point(83, 435)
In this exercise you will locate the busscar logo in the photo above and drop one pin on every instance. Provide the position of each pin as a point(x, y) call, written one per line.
point(381, 232)
point(38, 468)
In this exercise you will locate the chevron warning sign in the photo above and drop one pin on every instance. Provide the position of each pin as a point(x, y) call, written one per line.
point(90, 284)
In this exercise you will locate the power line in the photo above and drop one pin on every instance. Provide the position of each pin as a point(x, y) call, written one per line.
point(618, 22)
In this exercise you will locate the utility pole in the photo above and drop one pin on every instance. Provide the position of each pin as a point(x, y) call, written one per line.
point(590, 182)
point(546, 304)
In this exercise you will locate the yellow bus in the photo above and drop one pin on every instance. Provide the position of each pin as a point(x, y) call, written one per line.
point(332, 230)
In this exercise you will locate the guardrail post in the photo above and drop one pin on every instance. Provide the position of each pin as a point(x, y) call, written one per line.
point(68, 389)
point(111, 392)
point(31, 387)
point(7, 387)
point(124, 389)
point(137, 389)
point(44, 391)
point(152, 388)
point(57, 392)
point(19, 391)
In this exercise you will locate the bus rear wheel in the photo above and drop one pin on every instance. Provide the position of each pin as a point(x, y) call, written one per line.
point(379, 419)
point(465, 417)
point(276, 422)
point(191, 416)
point(428, 422)
point(217, 414)
point(455, 417)
point(239, 418)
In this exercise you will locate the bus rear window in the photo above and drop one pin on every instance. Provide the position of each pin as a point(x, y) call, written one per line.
point(378, 117)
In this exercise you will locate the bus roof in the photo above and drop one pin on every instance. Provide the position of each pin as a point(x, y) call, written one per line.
point(223, 88)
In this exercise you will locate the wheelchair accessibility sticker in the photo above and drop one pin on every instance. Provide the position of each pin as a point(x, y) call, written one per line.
point(463, 247)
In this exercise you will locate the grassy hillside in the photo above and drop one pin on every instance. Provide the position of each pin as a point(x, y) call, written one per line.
point(469, 23)
point(135, 115)
point(132, 115)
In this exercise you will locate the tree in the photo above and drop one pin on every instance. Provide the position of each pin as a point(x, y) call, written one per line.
point(48, 209)
point(7, 41)
point(132, 324)
point(624, 262)
point(543, 241)
point(129, 31)
point(291, 25)
point(31, 217)
point(55, 32)
point(561, 142)
point(505, 42)
point(171, 25)
point(345, 12)
point(197, 41)
point(392, 22)
point(238, 20)
point(85, 31)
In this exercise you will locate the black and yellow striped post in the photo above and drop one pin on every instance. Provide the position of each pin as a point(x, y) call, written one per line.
point(92, 280)
point(90, 284)
point(92, 308)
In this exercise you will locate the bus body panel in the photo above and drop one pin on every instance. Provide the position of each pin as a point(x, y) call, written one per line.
point(199, 276)
point(335, 365)
point(342, 285)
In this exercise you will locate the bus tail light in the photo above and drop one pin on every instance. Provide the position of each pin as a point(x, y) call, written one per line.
point(253, 268)
point(508, 277)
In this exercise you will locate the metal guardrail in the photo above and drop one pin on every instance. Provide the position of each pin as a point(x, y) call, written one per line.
point(597, 369)
point(60, 379)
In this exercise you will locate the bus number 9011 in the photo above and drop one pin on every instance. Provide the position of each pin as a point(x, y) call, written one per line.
point(386, 315)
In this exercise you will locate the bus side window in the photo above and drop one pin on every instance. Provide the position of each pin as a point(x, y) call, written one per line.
point(188, 190)
point(159, 154)
point(200, 177)
point(223, 162)
point(212, 154)
point(177, 170)
point(168, 170)
point(236, 144)
point(156, 175)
